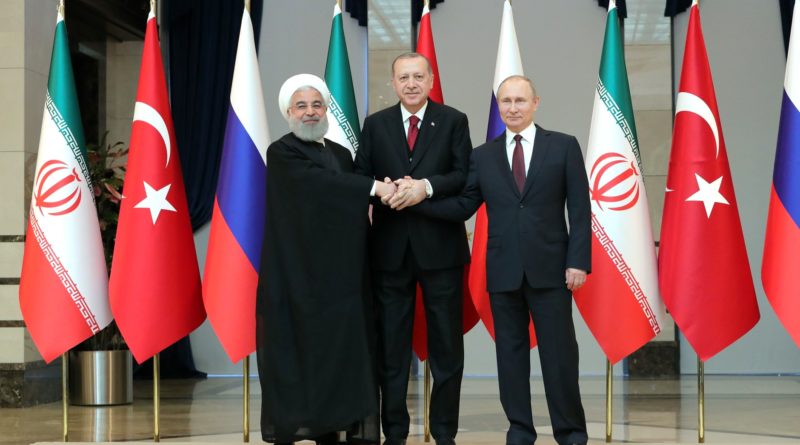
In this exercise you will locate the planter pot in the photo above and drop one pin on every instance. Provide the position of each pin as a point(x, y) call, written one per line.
point(100, 377)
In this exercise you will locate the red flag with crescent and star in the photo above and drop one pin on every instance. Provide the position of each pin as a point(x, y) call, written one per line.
point(155, 281)
point(704, 274)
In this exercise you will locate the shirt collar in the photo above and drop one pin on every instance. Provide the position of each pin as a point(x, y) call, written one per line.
point(420, 114)
point(528, 134)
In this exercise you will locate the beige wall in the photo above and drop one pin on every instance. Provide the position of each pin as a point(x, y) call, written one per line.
point(26, 36)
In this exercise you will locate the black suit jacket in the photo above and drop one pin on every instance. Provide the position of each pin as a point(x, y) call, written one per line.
point(441, 154)
point(527, 231)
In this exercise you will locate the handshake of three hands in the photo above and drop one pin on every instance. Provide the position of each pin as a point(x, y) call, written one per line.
point(401, 193)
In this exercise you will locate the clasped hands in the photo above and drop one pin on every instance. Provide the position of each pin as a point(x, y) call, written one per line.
point(401, 193)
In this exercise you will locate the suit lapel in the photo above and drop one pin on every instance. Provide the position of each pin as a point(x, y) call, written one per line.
point(396, 132)
point(541, 144)
point(427, 132)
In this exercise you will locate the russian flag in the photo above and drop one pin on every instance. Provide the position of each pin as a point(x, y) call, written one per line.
point(508, 63)
point(237, 224)
point(781, 260)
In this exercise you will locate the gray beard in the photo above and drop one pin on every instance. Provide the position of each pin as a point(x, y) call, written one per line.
point(309, 132)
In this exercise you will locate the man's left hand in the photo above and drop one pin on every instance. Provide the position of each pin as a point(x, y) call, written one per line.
point(575, 278)
point(410, 193)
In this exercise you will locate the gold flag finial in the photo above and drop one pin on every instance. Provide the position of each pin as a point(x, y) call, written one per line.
point(247, 6)
point(153, 6)
point(61, 7)
point(339, 3)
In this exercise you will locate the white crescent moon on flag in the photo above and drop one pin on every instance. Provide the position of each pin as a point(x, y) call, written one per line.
point(693, 104)
point(149, 115)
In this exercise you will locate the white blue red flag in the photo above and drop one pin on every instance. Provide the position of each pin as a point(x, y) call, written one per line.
point(781, 260)
point(509, 63)
point(237, 224)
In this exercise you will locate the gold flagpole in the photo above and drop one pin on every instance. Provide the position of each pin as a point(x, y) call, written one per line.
point(64, 356)
point(339, 3)
point(609, 393)
point(156, 396)
point(701, 409)
point(247, 5)
point(427, 400)
point(156, 358)
point(65, 382)
point(246, 400)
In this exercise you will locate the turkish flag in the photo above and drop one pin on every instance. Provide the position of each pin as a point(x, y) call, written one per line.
point(470, 318)
point(704, 273)
point(155, 282)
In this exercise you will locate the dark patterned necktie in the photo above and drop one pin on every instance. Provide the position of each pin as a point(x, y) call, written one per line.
point(518, 164)
point(413, 131)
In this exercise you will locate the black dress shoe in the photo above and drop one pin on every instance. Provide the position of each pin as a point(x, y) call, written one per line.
point(394, 442)
point(445, 442)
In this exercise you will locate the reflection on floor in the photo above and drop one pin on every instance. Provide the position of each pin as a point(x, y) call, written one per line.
point(738, 410)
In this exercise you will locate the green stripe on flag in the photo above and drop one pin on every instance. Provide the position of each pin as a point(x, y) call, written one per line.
point(61, 87)
point(62, 100)
point(340, 83)
point(613, 86)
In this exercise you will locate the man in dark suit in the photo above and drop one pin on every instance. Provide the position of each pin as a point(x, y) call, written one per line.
point(525, 177)
point(430, 143)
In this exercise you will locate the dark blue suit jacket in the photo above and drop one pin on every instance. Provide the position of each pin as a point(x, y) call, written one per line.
point(528, 232)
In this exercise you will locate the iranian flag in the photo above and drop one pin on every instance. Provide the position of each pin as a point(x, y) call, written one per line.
point(342, 112)
point(620, 301)
point(63, 290)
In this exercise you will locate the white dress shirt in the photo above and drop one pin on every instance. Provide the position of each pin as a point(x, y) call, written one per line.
point(407, 114)
point(528, 135)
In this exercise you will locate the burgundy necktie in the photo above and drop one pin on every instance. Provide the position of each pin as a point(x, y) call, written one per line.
point(518, 164)
point(413, 131)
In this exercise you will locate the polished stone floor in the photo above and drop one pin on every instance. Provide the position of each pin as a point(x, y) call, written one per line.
point(739, 410)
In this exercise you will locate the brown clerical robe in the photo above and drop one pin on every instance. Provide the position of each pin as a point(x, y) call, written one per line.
point(315, 329)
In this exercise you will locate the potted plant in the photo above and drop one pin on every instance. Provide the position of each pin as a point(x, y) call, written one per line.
point(101, 368)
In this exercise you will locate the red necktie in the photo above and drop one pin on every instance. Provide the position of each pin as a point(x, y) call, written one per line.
point(413, 131)
point(518, 164)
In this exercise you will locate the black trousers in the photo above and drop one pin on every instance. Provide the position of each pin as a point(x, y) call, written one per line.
point(395, 293)
point(551, 310)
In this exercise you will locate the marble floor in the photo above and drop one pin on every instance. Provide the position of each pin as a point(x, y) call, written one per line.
point(739, 410)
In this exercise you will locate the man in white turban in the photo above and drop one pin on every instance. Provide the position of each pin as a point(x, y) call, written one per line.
point(315, 330)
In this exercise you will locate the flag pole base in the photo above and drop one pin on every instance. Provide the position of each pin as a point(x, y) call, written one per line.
point(609, 394)
point(246, 400)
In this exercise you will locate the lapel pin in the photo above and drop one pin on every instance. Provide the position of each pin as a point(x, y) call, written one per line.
point(433, 124)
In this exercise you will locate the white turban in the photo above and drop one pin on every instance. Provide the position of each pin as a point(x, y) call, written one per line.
point(296, 82)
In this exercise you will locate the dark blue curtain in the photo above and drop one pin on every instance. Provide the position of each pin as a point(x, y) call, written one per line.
point(675, 7)
point(787, 6)
point(622, 9)
point(200, 37)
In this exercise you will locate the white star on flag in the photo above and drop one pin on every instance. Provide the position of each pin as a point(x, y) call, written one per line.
point(156, 201)
point(708, 194)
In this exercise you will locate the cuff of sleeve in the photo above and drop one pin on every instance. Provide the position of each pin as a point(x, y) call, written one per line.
point(428, 188)
point(372, 190)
